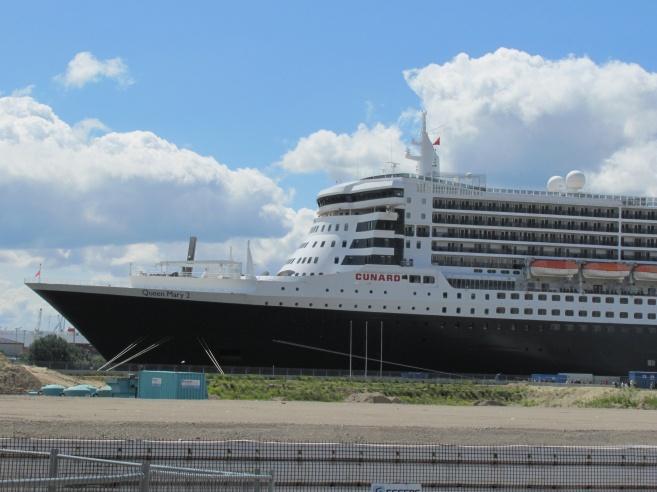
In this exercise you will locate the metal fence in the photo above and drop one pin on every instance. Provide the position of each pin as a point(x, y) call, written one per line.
point(349, 466)
point(53, 472)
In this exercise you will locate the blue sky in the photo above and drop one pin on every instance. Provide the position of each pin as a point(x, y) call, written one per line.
point(127, 126)
point(243, 81)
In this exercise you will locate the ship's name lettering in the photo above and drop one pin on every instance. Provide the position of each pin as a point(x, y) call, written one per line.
point(379, 277)
point(169, 294)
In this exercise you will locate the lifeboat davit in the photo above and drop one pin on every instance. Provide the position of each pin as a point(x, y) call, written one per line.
point(610, 271)
point(553, 268)
point(646, 273)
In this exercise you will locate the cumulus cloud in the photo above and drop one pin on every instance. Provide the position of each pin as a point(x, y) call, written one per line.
point(85, 68)
point(344, 156)
point(519, 117)
point(66, 188)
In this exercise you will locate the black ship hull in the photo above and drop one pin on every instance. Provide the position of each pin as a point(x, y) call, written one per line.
point(265, 336)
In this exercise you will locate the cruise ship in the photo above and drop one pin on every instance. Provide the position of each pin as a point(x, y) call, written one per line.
point(407, 272)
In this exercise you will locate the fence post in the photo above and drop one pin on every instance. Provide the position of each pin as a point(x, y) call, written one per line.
point(144, 483)
point(52, 468)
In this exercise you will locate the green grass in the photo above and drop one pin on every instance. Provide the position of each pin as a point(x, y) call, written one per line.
point(338, 389)
point(626, 398)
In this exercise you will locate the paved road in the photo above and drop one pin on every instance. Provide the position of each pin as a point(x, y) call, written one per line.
point(309, 421)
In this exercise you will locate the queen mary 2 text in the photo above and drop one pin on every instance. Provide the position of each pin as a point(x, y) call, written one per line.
point(378, 277)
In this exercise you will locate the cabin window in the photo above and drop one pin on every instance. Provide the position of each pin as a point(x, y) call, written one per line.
point(529, 297)
point(570, 298)
point(595, 314)
point(316, 259)
point(581, 298)
point(596, 300)
point(556, 312)
point(652, 316)
point(500, 310)
point(515, 296)
point(652, 302)
point(569, 312)
point(514, 310)
point(582, 313)
point(332, 244)
point(444, 295)
point(542, 312)
point(529, 311)
point(638, 316)
point(638, 301)
point(336, 260)
point(501, 295)
point(609, 300)
point(344, 244)
point(428, 280)
point(609, 314)
point(623, 300)
point(623, 315)
point(337, 227)
point(542, 297)
point(556, 297)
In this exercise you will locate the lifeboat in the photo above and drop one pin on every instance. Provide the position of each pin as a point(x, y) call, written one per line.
point(646, 273)
point(609, 271)
point(553, 268)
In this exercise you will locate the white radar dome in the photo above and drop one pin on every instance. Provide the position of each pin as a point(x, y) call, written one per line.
point(575, 180)
point(556, 183)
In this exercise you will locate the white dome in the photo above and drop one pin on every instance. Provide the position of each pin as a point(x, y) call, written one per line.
point(575, 180)
point(556, 183)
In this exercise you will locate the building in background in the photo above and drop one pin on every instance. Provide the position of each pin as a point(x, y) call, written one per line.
point(11, 348)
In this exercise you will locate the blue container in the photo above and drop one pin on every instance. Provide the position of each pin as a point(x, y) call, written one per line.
point(548, 378)
point(80, 390)
point(643, 379)
point(52, 390)
point(172, 385)
point(104, 391)
point(123, 387)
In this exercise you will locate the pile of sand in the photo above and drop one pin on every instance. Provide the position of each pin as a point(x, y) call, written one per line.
point(371, 397)
point(15, 379)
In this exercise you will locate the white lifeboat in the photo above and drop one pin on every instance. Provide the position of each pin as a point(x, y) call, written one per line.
point(553, 268)
point(609, 271)
point(646, 273)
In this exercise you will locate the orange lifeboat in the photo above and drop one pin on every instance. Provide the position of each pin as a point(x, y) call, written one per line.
point(646, 273)
point(609, 271)
point(553, 268)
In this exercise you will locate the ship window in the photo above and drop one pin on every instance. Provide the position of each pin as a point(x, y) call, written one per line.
point(623, 315)
point(595, 314)
point(515, 296)
point(487, 296)
point(344, 244)
point(514, 311)
point(504, 271)
point(428, 280)
point(408, 199)
point(609, 314)
point(609, 300)
point(529, 297)
point(581, 298)
point(652, 316)
point(556, 297)
point(542, 312)
point(478, 270)
point(346, 227)
point(458, 310)
point(500, 310)
point(570, 298)
point(652, 302)
point(332, 244)
point(556, 312)
point(638, 301)
point(423, 216)
point(542, 297)
point(322, 245)
point(472, 296)
point(638, 316)
point(458, 295)
point(444, 309)
point(316, 259)
point(323, 228)
point(336, 260)
point(582, 313)
point(408, 215)
point(501, 295)
point(486, 311)
point(314, 244)
point(529, 311)
point(569, 312)
point(491, 271)
point(444, 295)
point(596, 300)
point(299, 260)
point(414, 279)
point(337, 227)
point(623, 300)
point(418, 245)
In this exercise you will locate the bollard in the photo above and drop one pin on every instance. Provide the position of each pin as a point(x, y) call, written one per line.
point(144, 483)
point(52, 468)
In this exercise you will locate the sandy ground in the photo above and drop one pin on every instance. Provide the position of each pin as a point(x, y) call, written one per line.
point(310, 421)
point(48, 376)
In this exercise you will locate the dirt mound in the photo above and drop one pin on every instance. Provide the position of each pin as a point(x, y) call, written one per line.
point(371, 397)
point(48, 376)
point(15, 379)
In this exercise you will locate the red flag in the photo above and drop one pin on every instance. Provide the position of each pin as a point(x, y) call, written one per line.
point(38, 273)
point(437, 142)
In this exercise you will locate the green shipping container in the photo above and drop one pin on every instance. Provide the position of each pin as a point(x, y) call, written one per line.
point(172, 385)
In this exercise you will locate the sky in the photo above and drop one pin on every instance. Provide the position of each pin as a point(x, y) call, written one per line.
point(127, 126)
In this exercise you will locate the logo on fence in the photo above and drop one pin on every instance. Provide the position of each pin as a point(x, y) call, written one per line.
point(396, 487)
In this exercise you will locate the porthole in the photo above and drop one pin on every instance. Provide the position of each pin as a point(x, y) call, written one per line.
point(370, 292)
point(280, 303)
point(296, 303)
point(413, 308)
point(341, 290)
point(398, 307)
point(427, 308)
point(356, 291)
point(385, 291)
point(339, 305)
point(282, 288)
point(327, 290)
point(297, 288)
point(310, 305)
point(414, 293)
point(355, 305)
point(325, 305)
point(428, 293)
point(266, 303)
point(369, 306)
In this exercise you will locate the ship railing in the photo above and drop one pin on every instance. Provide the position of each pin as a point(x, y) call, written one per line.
point(193, 269)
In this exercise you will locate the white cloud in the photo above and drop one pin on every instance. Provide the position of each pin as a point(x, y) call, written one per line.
point(520, 118)
point(344, 156)
point(23, 91)
point(66, 188)
point(85, 68)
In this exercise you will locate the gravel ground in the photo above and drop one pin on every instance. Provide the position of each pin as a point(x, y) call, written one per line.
point(24, 416)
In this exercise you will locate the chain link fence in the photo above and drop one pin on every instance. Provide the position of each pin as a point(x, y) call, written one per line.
point(343, 466)
point(53, 472)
